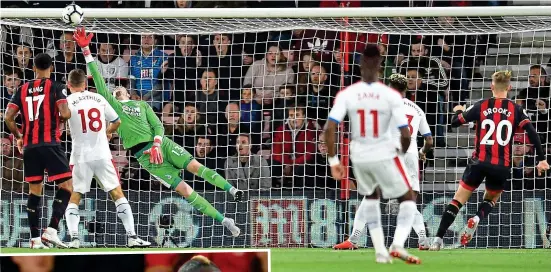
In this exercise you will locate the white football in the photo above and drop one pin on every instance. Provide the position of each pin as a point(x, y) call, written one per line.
point(72, 15)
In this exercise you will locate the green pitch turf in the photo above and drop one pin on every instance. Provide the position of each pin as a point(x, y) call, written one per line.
point(468, 260)
point(316, 260)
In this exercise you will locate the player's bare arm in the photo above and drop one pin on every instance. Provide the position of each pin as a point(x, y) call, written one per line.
point(337, 170)
point(64, 111)
point(429, 142)
point(535, 139)
point(405, 138)
point(9, 118)
point(113, 126)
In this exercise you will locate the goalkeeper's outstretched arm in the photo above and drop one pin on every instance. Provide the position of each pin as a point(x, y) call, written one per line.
point(83, 41)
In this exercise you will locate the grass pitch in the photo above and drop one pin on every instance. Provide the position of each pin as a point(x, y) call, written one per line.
point(468, 260)
point(316, 260)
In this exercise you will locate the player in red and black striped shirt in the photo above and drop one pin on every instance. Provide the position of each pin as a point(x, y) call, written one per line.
point(42, 103)
point(497, 119)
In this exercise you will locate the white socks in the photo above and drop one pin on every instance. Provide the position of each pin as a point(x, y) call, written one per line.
point(373, 206)
point(72, 217)
point(419, 225)
point(124, 212)
point(233, 190)
point(404, 222)
point(360, 219)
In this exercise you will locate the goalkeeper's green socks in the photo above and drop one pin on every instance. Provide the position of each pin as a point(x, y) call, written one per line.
point(215, 179)
point(201, 204)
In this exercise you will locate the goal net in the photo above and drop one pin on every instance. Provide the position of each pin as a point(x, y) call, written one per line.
point(247, 92)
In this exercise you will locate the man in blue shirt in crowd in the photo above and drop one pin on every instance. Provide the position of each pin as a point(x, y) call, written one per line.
point(145, 68)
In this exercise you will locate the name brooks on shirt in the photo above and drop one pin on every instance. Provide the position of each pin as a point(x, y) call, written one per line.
point(496, 110)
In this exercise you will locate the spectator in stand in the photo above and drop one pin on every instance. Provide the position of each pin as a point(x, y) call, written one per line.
point(386, 67)
point(319, 95)
point(318, 173)
point(245, 170)
point(227, 59)
point(146, 66)
point(12, 167)
point(10, 84)
point(432, 93)
point(287, 98)
point(183, 72)
point(456, 53)
point(304, 68)
point(183, 3)
point(250, 109)
point(294, 148)
point(69, 59)
point(290, 53)
point(266, 100)
point(536, 100)
point(112, 67)
point(24, 62)
point(436, 76)
point(267, 74)
point(227, 132)
point(208, 102)
point(205, 153)
point(189, 125)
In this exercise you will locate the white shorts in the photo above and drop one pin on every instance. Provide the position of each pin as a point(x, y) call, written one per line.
point(389, 175)
point(411, 161)
point(105, 172)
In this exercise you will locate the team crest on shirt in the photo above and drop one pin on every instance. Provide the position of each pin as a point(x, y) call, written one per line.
point(132, 111)
point(111, 70)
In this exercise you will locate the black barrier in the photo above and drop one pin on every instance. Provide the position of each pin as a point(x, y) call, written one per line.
point(277, 218)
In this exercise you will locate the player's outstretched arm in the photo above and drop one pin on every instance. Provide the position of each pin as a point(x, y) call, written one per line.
point(535, 140)
point(463, 116)
point(156, 155)
point(83, 42)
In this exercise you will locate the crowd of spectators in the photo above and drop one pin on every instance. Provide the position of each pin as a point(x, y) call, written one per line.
point(253, 105)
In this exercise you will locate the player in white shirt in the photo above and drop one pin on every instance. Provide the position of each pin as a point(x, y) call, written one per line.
point(373, 109)
point(417, 123)
point(91, 156)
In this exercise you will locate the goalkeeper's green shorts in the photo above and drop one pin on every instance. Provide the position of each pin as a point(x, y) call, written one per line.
point(175, 159)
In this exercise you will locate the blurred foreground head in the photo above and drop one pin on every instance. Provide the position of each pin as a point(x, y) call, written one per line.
point(199, 264)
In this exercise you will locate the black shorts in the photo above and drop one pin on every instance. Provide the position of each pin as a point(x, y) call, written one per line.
point(46, 158)
point(496, 176)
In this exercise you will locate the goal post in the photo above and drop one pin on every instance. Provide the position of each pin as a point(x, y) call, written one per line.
point(295, 60)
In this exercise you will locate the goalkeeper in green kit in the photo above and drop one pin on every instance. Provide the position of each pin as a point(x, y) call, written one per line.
point(142, 133)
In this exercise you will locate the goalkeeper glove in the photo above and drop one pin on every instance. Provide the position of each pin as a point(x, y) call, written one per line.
point(83, 41)
point(155, 154)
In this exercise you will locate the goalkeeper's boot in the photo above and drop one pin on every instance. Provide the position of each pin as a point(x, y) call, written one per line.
point(239, 195)
point(401, 253)
point(468, 232)
point(437, 244)
point(50, 236)
point(230, 225)
point(36, 243)
point(346, 245)
point(424, 244)
point(75, 243)
point(135, 242)
point(384, 259)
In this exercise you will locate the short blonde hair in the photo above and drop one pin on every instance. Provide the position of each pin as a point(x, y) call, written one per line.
point(501, 80)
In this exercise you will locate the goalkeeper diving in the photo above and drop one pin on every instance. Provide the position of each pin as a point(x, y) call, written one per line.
point(142, 133)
